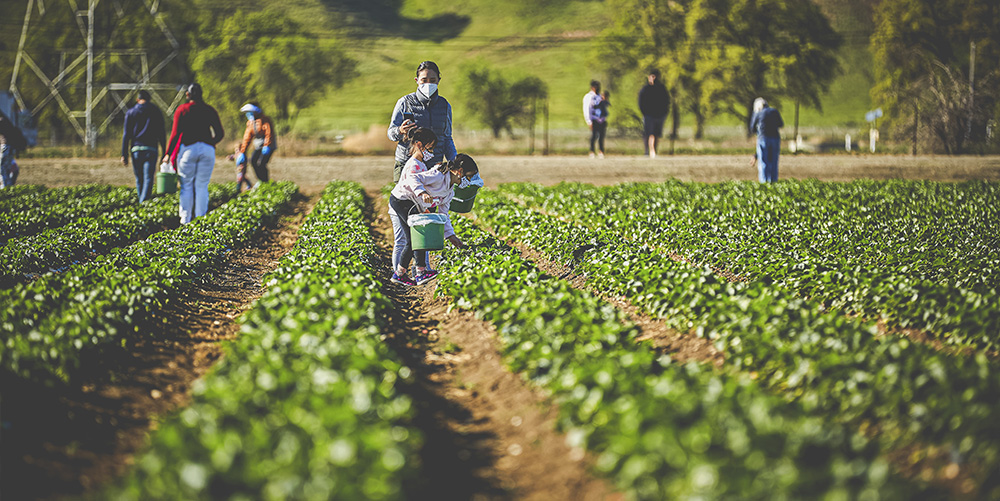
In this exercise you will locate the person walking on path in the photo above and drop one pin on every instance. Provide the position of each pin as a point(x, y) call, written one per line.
point(654, 104)
point(422, 108)
point(260, 133)
point(142, 137)
point(11, 141)
point(592, 115)
point(765, 123)
point(197, 129)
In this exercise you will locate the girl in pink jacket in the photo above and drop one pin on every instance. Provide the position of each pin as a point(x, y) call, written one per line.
point(419, 192)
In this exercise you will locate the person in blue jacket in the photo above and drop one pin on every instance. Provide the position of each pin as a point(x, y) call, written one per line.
point(143, 136)
point(765, 123)
point(422, 108)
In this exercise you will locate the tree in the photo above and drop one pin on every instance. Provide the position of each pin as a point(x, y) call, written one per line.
point(269, 58)
point(938, 64)
point(498, 102)
point(718, 55)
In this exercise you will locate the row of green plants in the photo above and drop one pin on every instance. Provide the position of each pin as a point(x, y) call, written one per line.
point(97, 306)
point(660, 429)
point(19, 190)
point(31, 214)
point(57, 248)
point(830, 363)
point(917, 254)
point(305, 404)
point(26, 196)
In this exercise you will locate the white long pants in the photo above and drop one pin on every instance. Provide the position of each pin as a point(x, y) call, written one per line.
point(194, 167)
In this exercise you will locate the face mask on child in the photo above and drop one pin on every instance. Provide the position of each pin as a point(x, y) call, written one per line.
point(428, 155)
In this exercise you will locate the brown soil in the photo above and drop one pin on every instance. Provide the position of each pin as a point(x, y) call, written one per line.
point(313, 173)
point(64, 441)
point(488, 433)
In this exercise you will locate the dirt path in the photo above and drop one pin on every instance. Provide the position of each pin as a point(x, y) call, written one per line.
point(488, 435)
point(313, 173)
point(65, 441)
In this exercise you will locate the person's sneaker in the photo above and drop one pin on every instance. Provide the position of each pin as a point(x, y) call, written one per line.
point(600, 155)
point(591, 154)
point(402, 280)
point(426, 276)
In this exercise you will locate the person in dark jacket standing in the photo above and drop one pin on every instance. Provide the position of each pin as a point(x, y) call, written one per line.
point(197, 129)
point(654, 103)
point(142, 137)
point(765, 123)
point(11, 141)
point(423, 108)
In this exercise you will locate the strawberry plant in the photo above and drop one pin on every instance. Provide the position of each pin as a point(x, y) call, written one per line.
point(827, 361)
point(305, 403)
point(96, 306)
point(57, 248)
point(660, 429)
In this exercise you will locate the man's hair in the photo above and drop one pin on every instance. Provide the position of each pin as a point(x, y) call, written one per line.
point(594, 84)
point(144, 95)
point(194, 92)
point(655, 72)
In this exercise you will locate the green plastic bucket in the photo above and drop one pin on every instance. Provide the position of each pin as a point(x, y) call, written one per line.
point(427, 231)
point(464, 199)
point(166, 182)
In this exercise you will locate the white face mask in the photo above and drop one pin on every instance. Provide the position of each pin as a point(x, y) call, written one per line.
point(428, 156)
point(428, 89)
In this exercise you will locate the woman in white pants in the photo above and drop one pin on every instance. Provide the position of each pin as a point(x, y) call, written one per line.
point(197, 129)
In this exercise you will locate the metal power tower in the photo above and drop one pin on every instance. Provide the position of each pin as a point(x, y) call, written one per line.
point(78, 64)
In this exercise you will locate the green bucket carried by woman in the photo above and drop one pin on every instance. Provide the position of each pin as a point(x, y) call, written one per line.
point(166, 182)
point(427, 231)
point(464, 198)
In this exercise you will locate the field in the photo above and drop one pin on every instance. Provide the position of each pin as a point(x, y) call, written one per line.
point(652, 329)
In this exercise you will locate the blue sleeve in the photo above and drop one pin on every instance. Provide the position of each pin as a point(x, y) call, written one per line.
point(125, 136)
point(395, 121)
point(447, 142)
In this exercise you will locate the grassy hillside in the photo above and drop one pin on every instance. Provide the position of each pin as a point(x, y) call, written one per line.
point(550, 41)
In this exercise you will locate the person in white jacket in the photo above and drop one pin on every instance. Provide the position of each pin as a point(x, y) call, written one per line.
point(420, 192)
point(592, 113)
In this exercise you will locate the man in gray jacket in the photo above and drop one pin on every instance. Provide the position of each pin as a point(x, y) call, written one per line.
point(423, 108)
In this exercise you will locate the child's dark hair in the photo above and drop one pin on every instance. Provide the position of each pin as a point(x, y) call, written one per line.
point(422, 135)
point(462, 162)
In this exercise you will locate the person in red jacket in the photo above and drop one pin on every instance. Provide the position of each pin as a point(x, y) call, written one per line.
point(197, 129)
point(259, 132)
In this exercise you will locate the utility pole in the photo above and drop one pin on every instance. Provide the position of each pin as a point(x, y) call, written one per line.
point(90, 140)
point(82, 66)
point(972, 89)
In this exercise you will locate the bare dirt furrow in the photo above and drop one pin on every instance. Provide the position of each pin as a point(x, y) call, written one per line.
point(488, 434)
point(66, 441)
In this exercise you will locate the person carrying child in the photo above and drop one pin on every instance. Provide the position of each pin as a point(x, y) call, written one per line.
point(420, 192)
